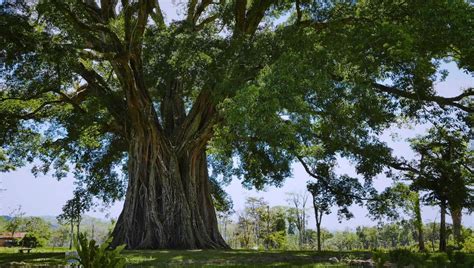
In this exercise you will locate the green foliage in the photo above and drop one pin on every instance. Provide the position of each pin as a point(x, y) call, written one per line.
point(468, 245)
point(262, 84)
point(95, 256)
point(404, 257)
point(38, 231)
point(16, 221)
point(3, 224)
point(277, 240)
point(380, 258)
point(343, 240)
point(286, 84)
point(438, 260)
point(60, 236)
point(461, 259)
point(444, 167)
point(30, 241)
point(75, 207)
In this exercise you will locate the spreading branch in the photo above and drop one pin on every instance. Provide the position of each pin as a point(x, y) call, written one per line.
point(442, 101)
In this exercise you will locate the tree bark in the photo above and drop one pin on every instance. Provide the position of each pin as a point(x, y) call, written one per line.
point(319, 216)
point(419, 223)
point(72, 235)
point(168, 202)
point(442, 227)
point(456, 216)
point(78, 227)
point(318, 230)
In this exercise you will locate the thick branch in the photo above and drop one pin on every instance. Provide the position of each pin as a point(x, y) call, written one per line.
point(442, 101)
point(108, 8)
point(88, 29)
point(255, 15)
point(196, 129)
point(239, 14)
point(145, 7)
point(113, 104)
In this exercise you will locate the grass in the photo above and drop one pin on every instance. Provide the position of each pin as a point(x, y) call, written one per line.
point(188, 258)
point(235, 258)
point(37, 257)
point(195, 258)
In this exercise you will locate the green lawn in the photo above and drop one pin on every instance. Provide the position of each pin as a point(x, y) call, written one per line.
point(242, 258)
point(196, 258)
point(190, 258)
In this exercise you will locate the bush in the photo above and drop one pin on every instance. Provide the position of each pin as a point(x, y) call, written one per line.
point(468, 245)
point(404, 257)
point(30, 241)
point(440, 260)
point(379, 257)
point(460, 259)
point(94, 256)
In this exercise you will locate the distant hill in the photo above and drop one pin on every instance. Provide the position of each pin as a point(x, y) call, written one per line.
point(5, 217)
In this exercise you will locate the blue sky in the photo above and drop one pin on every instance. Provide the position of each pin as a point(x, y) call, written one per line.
point(45, 195)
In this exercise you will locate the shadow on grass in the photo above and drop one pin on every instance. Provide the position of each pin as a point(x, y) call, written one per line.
point(50, 259)
point(234, 258)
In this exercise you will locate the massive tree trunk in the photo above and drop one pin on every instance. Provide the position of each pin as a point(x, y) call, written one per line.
point(168, 202)
point(456, 216)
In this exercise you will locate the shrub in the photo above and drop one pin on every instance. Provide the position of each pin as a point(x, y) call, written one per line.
point(468, 245)
point(379, 257)
point(460, 259)
point(30, 241)
point(94, 256)
point(440, 260)
point(403, 257)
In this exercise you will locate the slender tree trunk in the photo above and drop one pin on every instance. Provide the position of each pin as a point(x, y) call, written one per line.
point(319, 216)
point(78, 227)
point(419, 224)
point(442, 227)
point(318, 230)
point(456, 215)
point(72, 235)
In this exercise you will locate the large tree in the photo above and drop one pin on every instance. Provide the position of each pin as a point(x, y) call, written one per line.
point(109, 85)
point(446, 174)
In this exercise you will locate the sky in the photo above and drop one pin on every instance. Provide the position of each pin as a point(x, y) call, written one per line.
point(44, 195)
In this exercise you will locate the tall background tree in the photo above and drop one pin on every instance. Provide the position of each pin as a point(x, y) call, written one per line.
point(102, 86)
point(322, 204)
point(73, 211)
point(394, 203)
point(446, 174)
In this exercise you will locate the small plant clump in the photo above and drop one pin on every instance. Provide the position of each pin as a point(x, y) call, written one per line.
point(91, 255)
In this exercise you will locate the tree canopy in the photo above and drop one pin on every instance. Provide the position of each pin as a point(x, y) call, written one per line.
point(118, 95)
